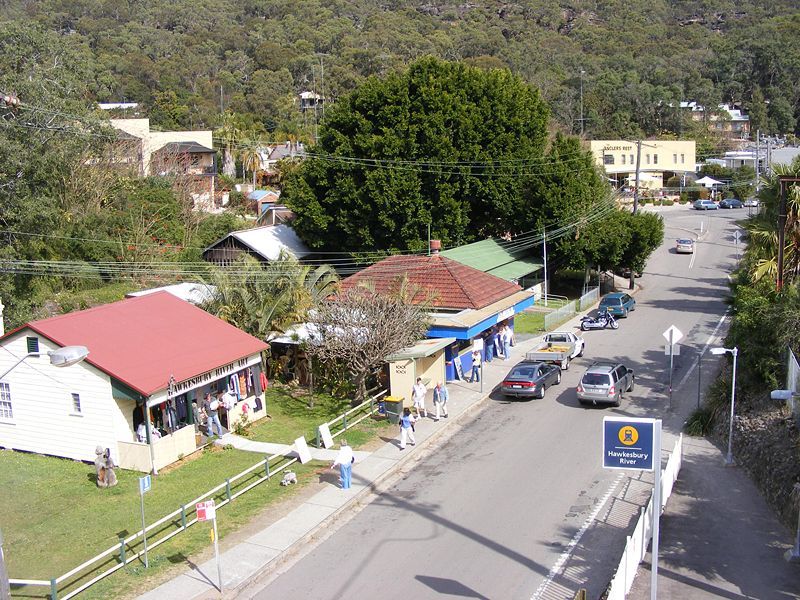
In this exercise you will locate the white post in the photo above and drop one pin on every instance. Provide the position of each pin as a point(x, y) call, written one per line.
point(544, 254)
point(729, 458)
point(144, 527)
point(216, 553)
point(656, 507)
point(5, 586)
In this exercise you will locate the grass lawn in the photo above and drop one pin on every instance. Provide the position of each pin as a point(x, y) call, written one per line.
point(529, 322)
point(292, 417)
point(53, 517)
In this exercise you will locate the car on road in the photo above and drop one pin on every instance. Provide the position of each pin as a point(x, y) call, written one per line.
point(530, 380)
point(605, 383)
point(684, 246)
point(751, 202)
point(618, 304)
point(704, 205)
point(731, 203)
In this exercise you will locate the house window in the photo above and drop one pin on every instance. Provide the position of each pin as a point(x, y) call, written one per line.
point(647, 158)
point(631, 158)
point(682, 159)
point(623, 159)
point(76, 403)
point(33, 344)
point(655, 159)
point(608, 159)
point(6, 411)
point(675, 158)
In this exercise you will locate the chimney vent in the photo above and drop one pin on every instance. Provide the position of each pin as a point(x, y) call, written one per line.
point(436, 245)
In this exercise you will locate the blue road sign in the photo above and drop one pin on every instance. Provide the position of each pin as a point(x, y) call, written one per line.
point(144, 484)
point(628, 443)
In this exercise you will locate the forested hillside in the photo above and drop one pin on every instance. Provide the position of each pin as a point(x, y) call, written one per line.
point(189, 60)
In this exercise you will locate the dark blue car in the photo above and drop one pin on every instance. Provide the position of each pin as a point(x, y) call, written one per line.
point(618, 304)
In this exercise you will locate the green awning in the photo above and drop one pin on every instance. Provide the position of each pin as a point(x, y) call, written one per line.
point(491, 256)
point(516, 269)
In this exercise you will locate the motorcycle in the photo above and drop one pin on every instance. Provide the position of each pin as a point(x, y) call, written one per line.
point(601, 321)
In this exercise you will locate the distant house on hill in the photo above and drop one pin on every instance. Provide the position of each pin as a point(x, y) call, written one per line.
point(264, 243)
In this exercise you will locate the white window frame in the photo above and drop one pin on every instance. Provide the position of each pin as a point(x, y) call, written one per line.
point(6, 404)
point(76, 404)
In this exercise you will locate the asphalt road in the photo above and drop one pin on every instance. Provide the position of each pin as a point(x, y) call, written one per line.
point(516, 504)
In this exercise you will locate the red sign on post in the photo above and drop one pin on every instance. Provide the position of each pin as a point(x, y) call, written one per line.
point(206, 511)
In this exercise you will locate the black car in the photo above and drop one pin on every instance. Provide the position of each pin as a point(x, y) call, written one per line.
point(731, 203)
point(530, 380)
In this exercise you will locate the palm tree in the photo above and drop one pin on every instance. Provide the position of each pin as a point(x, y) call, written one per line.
point(230, 132)
point(762, 254)
point(251, 161)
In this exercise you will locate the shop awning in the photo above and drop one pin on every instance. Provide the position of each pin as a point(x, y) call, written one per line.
point(421, 349)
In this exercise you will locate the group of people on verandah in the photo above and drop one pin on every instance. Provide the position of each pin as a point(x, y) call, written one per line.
point(497, 341)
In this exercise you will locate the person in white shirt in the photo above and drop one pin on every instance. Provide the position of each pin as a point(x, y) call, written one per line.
point(345, 460)
point(418, 393)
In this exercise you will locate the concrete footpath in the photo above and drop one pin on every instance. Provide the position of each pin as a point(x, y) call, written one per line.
point(718, 537)
point(267, 549)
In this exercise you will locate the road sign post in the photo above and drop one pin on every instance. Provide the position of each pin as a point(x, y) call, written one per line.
point(630, 443)
point(206, 511)
point(673, 335)
point(145, 484)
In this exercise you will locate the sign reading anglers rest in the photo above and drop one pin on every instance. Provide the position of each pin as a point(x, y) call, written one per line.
point(628, 443)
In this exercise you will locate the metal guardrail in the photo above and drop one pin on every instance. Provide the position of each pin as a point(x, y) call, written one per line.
point(127, 550)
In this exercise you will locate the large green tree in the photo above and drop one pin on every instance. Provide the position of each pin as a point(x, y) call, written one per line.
point(441, 145)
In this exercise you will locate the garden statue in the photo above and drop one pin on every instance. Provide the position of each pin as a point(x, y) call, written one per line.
point(104, 467)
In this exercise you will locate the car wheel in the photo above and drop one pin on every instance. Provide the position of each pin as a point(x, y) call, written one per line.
point(625, 314)
point(565, 365)
point(631, 386)
point(582, 349)
point(618, 401)
point(558, 377)
point(541, 392)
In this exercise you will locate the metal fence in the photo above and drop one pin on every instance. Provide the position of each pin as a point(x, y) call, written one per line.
point(589, 298)
point(637, 542)
point(131, 548)
point(555, 318)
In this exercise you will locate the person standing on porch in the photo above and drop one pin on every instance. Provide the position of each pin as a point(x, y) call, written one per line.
point(211, 406)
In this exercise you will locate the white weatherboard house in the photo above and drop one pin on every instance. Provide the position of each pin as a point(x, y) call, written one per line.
point(155, 350)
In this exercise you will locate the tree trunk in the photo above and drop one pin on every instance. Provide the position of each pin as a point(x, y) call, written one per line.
point(228, 164)
point(361, 389)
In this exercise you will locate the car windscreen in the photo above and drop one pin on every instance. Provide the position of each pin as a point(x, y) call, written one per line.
point(685, 242)
point(611, 302)
point(595, 379)
point(522, 374)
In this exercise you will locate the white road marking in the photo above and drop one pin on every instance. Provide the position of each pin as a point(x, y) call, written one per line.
point(711, 338)
point(694, 253)
point(575, 539)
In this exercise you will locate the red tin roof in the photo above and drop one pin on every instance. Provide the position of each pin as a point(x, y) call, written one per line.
point(142, 341)
point(449, 284)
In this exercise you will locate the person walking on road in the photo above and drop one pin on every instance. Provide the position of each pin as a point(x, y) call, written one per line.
point(407, 429)
point(476, 367)
point(418, 393)
point(440, 397)
point(345, 460)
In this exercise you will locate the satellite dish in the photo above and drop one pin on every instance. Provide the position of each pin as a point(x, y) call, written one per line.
point(68, 355)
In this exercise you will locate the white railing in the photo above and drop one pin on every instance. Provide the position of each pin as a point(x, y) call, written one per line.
point(558, 316)
point(368, 407)
point(638, 541)
point(589, 298)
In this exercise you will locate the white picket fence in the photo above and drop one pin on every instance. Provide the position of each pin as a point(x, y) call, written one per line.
point(638, 542)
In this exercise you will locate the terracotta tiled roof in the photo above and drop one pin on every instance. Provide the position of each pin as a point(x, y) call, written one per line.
point(142, 341)
point(449, 284)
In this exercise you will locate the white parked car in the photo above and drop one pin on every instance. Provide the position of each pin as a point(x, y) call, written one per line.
point(751, 202)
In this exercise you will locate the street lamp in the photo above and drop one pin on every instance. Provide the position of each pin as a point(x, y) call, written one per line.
point(733, 352)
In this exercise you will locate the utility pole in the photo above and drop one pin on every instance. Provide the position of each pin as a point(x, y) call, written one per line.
point(582, 72)
point(758, 157)
point(544, 253)
point(636, 183)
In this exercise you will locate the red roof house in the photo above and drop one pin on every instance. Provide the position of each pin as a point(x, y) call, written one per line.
point(154, 354)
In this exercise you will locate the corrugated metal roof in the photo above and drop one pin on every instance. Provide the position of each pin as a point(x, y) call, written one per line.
point(444, 282)
point(269, 240)
point(491, 256)
point(142, 341)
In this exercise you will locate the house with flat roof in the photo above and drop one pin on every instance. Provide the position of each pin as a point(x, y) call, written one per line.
point(154, 355)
